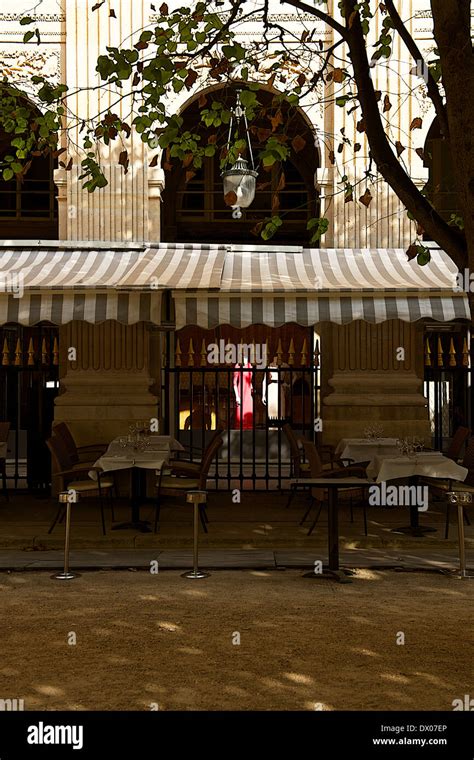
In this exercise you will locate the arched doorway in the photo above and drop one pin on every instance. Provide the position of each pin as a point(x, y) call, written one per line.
point(193, 202)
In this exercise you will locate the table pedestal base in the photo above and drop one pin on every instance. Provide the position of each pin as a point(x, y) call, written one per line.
point(465, 575)
point(341, 575)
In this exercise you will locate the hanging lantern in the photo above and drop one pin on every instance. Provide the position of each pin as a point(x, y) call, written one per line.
point(240, 179)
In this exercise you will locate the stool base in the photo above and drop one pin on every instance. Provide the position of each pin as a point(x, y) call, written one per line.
point(195, 574)
point(65, 576)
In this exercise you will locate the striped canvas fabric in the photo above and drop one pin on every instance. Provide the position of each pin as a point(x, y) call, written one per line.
point(274, 286)
point(178, 265)
point(61, 285)
point(217, 284)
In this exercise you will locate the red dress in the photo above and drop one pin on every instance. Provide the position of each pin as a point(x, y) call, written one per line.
point(243, 393)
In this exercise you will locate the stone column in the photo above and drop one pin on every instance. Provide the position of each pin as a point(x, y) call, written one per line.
point(109, 386)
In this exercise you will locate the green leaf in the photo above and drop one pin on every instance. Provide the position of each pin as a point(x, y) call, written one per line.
point(7, 174)
point(319, 226)
point(28, 35)
point(424, 256)
point(248, 98)
point(26, 20)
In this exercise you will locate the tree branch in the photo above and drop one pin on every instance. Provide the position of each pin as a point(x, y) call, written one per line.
point(387, 163)
point(414, 50)
point(312, 11)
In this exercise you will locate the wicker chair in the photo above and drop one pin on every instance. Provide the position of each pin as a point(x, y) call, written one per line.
point(182, 479)
point(439, 487)
point(320, 494)
point(459, 438)
point(69, 479)
point(77, 455)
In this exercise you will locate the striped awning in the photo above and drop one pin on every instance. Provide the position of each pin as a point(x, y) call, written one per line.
point(59, 285)
point(278, 285)
point(218, 284)
point(177, 265)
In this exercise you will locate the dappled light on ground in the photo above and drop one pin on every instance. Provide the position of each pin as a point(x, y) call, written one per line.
point(240, 640)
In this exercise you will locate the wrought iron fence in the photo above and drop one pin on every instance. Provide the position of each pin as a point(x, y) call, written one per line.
point(448, 383)
point(250, 406)
point(28, 385)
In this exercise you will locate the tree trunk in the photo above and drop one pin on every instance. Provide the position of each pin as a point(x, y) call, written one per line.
point(387, 162)
point(452, 30)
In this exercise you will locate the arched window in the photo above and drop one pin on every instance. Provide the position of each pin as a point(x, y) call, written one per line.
point(441, 188)
point(28, 207)
point(193, 200)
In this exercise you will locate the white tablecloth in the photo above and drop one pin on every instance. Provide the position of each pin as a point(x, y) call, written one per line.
point(152, 458)
point(430, 464)
point(163, 441)
point(362, 450)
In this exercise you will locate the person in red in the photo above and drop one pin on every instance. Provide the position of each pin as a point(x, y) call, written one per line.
point(243, 395)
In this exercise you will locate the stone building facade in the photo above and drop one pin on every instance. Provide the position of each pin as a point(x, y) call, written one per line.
point(115, 377)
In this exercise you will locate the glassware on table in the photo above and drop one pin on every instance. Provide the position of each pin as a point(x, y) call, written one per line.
point(378, 432)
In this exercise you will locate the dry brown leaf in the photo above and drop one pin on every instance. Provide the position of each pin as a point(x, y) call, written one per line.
point(386, 104)
point(366, 199)
point(263, 134)
point(400, 148)
point(412, 252)
point(298, 143)
point(276, 120)
point(417, 123)
point(191, 78)
point(123, 160)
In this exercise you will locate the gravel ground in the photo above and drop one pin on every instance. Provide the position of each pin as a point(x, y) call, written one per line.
point(145, 641)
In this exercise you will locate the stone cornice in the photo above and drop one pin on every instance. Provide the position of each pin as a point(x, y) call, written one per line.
point(40, 17)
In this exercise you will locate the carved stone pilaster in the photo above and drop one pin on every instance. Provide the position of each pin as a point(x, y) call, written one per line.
point(108, 383)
